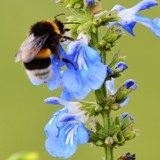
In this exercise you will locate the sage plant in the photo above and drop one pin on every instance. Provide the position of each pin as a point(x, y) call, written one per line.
point(91, 70)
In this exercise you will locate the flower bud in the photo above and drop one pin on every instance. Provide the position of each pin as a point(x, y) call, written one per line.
point(130, 84)
point(120, 67)
point(109, 141)
point(110, 99)
point(107, 17)
point(125, 115)
point(101, 44)
point(115, 106)
point(128, 135)
point(124, 90)
point(99, 143)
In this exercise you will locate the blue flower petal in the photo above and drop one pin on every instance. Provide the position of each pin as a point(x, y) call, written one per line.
point(72, 80)
point(129, 28)
point(94, 76)
point(121, 66)
point(64, 145)
point(73, 48)
point(125, 102)
point(144, 4)
point(110, 86)
point(91, 54)
point(60, 146)
point(66, 95)
point(83, 134)
point(156, 21)
point(82, 93)
point(118, 8)
point(54, 83)
point(148, 23)
point(51, 127)
point(131, 84)
point(129, 17)
point(65, 130)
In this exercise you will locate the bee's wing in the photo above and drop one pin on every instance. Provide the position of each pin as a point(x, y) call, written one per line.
point(30, 48)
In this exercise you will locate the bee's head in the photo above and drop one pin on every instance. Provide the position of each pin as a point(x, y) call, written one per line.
point(44, 28)
point(60, 26)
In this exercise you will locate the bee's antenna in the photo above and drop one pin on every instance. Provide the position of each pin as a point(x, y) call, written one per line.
point(59, 15)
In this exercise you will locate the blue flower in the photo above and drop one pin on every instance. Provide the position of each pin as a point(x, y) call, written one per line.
point(66, 129)
point(88, 72)
point(129, 17)
point(112, 90)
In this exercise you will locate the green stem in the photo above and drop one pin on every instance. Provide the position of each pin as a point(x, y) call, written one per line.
point(101, 95)
point(108, 153)
point(107, 124)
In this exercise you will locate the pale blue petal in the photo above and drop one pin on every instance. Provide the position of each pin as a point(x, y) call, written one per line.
point(94, 76)
point(51, 128)
point(73, 48)
point(144, 4)
point(125, 102)
point(148, 23)
point(57, 148)
point(110, 86)
point(156, 21)
point(66, 95)
point(82, 93)
point(54, 83)
point(72, 80)
point(54, 100)
point(91, 54)
point(118, 8)
point(64, 145)
point(82, 134)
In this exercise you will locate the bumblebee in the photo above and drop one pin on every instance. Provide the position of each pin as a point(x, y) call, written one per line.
point(37, 50)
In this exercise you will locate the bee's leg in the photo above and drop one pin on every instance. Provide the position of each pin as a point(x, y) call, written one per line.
point(68, 61)
point(69, 38)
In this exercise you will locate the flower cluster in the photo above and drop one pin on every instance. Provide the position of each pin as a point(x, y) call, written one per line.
point(129, 17)
point(84, 70)
point(83, 66)
point(66, 129)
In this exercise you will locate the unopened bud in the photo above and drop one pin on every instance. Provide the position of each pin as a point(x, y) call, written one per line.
point(115, 106)
point(109, 141)
point(99, 143)
point(120, 67)
point(130, 84)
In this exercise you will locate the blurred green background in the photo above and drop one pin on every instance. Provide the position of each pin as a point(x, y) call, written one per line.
point(23, 113)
